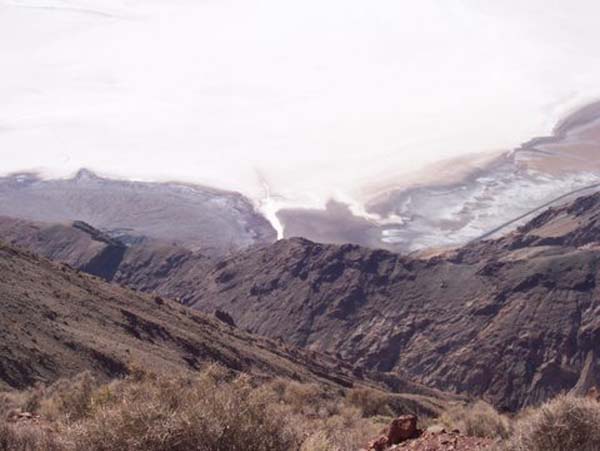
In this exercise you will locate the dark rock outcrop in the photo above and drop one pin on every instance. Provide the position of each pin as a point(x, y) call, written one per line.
point(224, 317)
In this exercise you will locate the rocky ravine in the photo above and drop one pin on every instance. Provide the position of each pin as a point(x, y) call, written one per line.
point(514, 320)
point(57, 322)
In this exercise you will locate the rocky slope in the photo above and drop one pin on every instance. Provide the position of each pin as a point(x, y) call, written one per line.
point(77, 244)
point(514, 320)
point(193, 216)
point(151, 265)
point(57, 322)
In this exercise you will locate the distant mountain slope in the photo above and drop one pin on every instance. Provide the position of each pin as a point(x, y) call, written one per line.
point(57, 322)
point(513, 319)
point(192, 216)
point(77, 244)
point(151, 265)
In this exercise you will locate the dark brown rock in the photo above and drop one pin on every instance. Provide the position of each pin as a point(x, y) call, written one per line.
point(224, 317)
point(402, 428)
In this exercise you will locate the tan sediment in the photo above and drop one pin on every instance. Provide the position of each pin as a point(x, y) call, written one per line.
point(578, 151)
point(574, 147)
point(452, 171)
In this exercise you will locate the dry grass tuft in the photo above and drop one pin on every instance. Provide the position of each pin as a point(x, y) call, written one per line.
point(27, 438)
point(214, 411)
point(564, 424)
point(478, 420)
point(324, 420)
point(305, 399)
point(178, 415)
point(370, 401)
point(68, 400)
point(347, 430)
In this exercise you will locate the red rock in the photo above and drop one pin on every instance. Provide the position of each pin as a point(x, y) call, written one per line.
point(402, 428)
point(379, 444)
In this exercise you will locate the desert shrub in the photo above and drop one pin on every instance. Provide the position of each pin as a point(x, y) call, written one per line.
point(303, 398)
point(370, 401)
point(319, 441)
point(345, 431)
point(218, 373)
point(26, 438)
point(69, 399)
point(308, 400)
point(479, 420)
point(217, 410)
point(10, 403)
point(322, 419)
point(33, 398)
point(565, 423)
point(173, 414)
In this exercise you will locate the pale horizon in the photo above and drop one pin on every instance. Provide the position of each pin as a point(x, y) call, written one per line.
point(317, 100)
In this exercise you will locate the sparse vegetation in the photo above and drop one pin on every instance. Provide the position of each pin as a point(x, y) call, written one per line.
point(371, 402)
point(169, 414)
point(564, 424)
point(27, 438)
point(217, 410)
point(70, 400)
point(220, 410)
point(477, 420)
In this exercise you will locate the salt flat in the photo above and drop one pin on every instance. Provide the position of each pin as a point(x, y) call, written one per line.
point(290, 103)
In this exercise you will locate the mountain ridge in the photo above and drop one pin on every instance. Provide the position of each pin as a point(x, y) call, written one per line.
point(58, 322)
point(193, 216)
point(512, 319)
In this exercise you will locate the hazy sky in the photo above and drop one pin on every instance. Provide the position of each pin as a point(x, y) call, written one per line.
point(317, 97)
